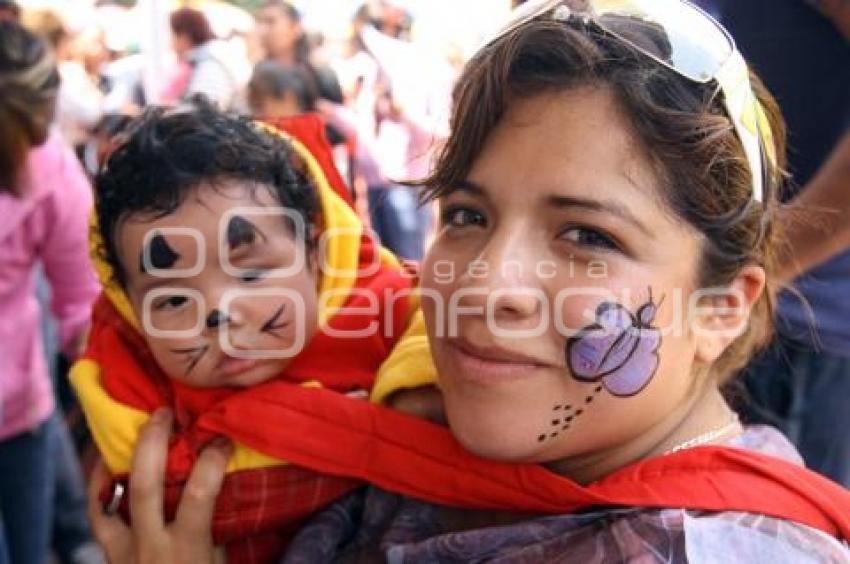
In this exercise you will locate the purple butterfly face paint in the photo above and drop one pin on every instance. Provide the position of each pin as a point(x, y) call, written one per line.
point(619, 353)
point(620, 350)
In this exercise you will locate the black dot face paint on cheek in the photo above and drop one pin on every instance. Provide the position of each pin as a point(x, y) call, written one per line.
point(160, 254)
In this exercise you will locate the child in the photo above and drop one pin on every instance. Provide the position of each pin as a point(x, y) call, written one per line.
point(276, 90)
point(232, 271)
point(280, 92)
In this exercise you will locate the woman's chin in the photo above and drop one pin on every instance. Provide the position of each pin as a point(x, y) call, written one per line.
point(494, 442)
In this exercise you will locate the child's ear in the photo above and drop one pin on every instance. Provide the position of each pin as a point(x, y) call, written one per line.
point(721, 315)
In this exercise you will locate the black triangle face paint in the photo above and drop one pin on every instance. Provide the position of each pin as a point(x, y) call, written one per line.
point(240, 231)
point(160, 253)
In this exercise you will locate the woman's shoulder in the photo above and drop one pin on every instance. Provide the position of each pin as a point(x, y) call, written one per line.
point(767, 440)
point(53, 183)
point(735, 537)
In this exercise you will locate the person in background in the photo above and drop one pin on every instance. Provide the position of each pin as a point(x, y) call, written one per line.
point(278, 91)
point(9, 10)
point(802, 383)
point(80, 102)
point(396, 117)
point(44, 202)
point(284, 40)
point(204, 68)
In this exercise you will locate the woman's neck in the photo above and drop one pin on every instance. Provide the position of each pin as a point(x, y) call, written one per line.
point(705, 418)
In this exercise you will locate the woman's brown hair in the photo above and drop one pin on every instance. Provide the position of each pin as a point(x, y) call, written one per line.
point(193, 24)
point(690, 141)
point(28, 85)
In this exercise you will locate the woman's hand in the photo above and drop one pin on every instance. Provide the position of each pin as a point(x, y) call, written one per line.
point(188, 539)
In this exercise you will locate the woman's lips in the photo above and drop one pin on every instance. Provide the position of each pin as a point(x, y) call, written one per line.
point(491, 364)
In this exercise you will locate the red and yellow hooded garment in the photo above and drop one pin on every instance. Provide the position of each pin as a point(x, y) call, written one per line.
point(264, 498)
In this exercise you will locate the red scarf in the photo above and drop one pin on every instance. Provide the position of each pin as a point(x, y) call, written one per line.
point(417, 458)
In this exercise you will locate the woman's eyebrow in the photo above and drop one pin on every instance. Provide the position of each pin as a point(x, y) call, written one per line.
point(606, 206)
point(467, 186)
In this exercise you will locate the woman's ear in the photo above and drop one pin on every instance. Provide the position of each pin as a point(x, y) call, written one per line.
point(721, 315)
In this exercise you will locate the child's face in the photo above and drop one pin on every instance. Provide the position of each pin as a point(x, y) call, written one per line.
point(207, 324)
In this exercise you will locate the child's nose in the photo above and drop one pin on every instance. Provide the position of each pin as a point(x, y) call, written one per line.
point(216, 318)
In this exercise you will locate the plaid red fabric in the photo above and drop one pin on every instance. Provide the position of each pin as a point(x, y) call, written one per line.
point(258, 511)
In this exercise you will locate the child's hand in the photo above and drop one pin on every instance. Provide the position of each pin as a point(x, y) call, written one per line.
point(188, 539)
point(425, 402)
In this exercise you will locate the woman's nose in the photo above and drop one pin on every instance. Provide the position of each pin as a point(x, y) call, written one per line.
point(502, 279)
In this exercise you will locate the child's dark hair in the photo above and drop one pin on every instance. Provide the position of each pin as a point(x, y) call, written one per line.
point(272, 79)
point(29, 83)
point(165, 154)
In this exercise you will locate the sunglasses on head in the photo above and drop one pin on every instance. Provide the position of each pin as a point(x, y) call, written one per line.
point(693, 45)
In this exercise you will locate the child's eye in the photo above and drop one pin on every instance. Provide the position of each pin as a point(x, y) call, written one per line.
point(587, 237)
point(171, 302)
point(458, 217)
point(252, 275)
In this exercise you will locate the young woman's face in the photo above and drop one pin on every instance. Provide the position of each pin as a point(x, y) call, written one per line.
point(554, 291)
point(278, 33)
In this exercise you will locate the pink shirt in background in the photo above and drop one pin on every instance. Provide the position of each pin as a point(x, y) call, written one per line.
point(48, 224)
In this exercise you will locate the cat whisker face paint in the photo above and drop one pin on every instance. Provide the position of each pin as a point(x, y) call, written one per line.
point(192, 355)
point(274, 323)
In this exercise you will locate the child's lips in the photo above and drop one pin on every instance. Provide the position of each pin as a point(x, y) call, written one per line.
point(230, 366)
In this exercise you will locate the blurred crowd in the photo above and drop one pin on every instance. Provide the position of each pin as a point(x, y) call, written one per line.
point(383, 96)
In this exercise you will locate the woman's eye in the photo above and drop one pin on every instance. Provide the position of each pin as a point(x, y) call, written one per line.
point(463, 217)
point(252, 275)
point(587, 237)
point(172, 302)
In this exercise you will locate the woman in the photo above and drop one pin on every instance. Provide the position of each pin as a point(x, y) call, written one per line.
point(44, 203)
point(284, 40)
point(601, 270)
point(204, 68)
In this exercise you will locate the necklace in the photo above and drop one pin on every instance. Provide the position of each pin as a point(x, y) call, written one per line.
point(706, 437)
